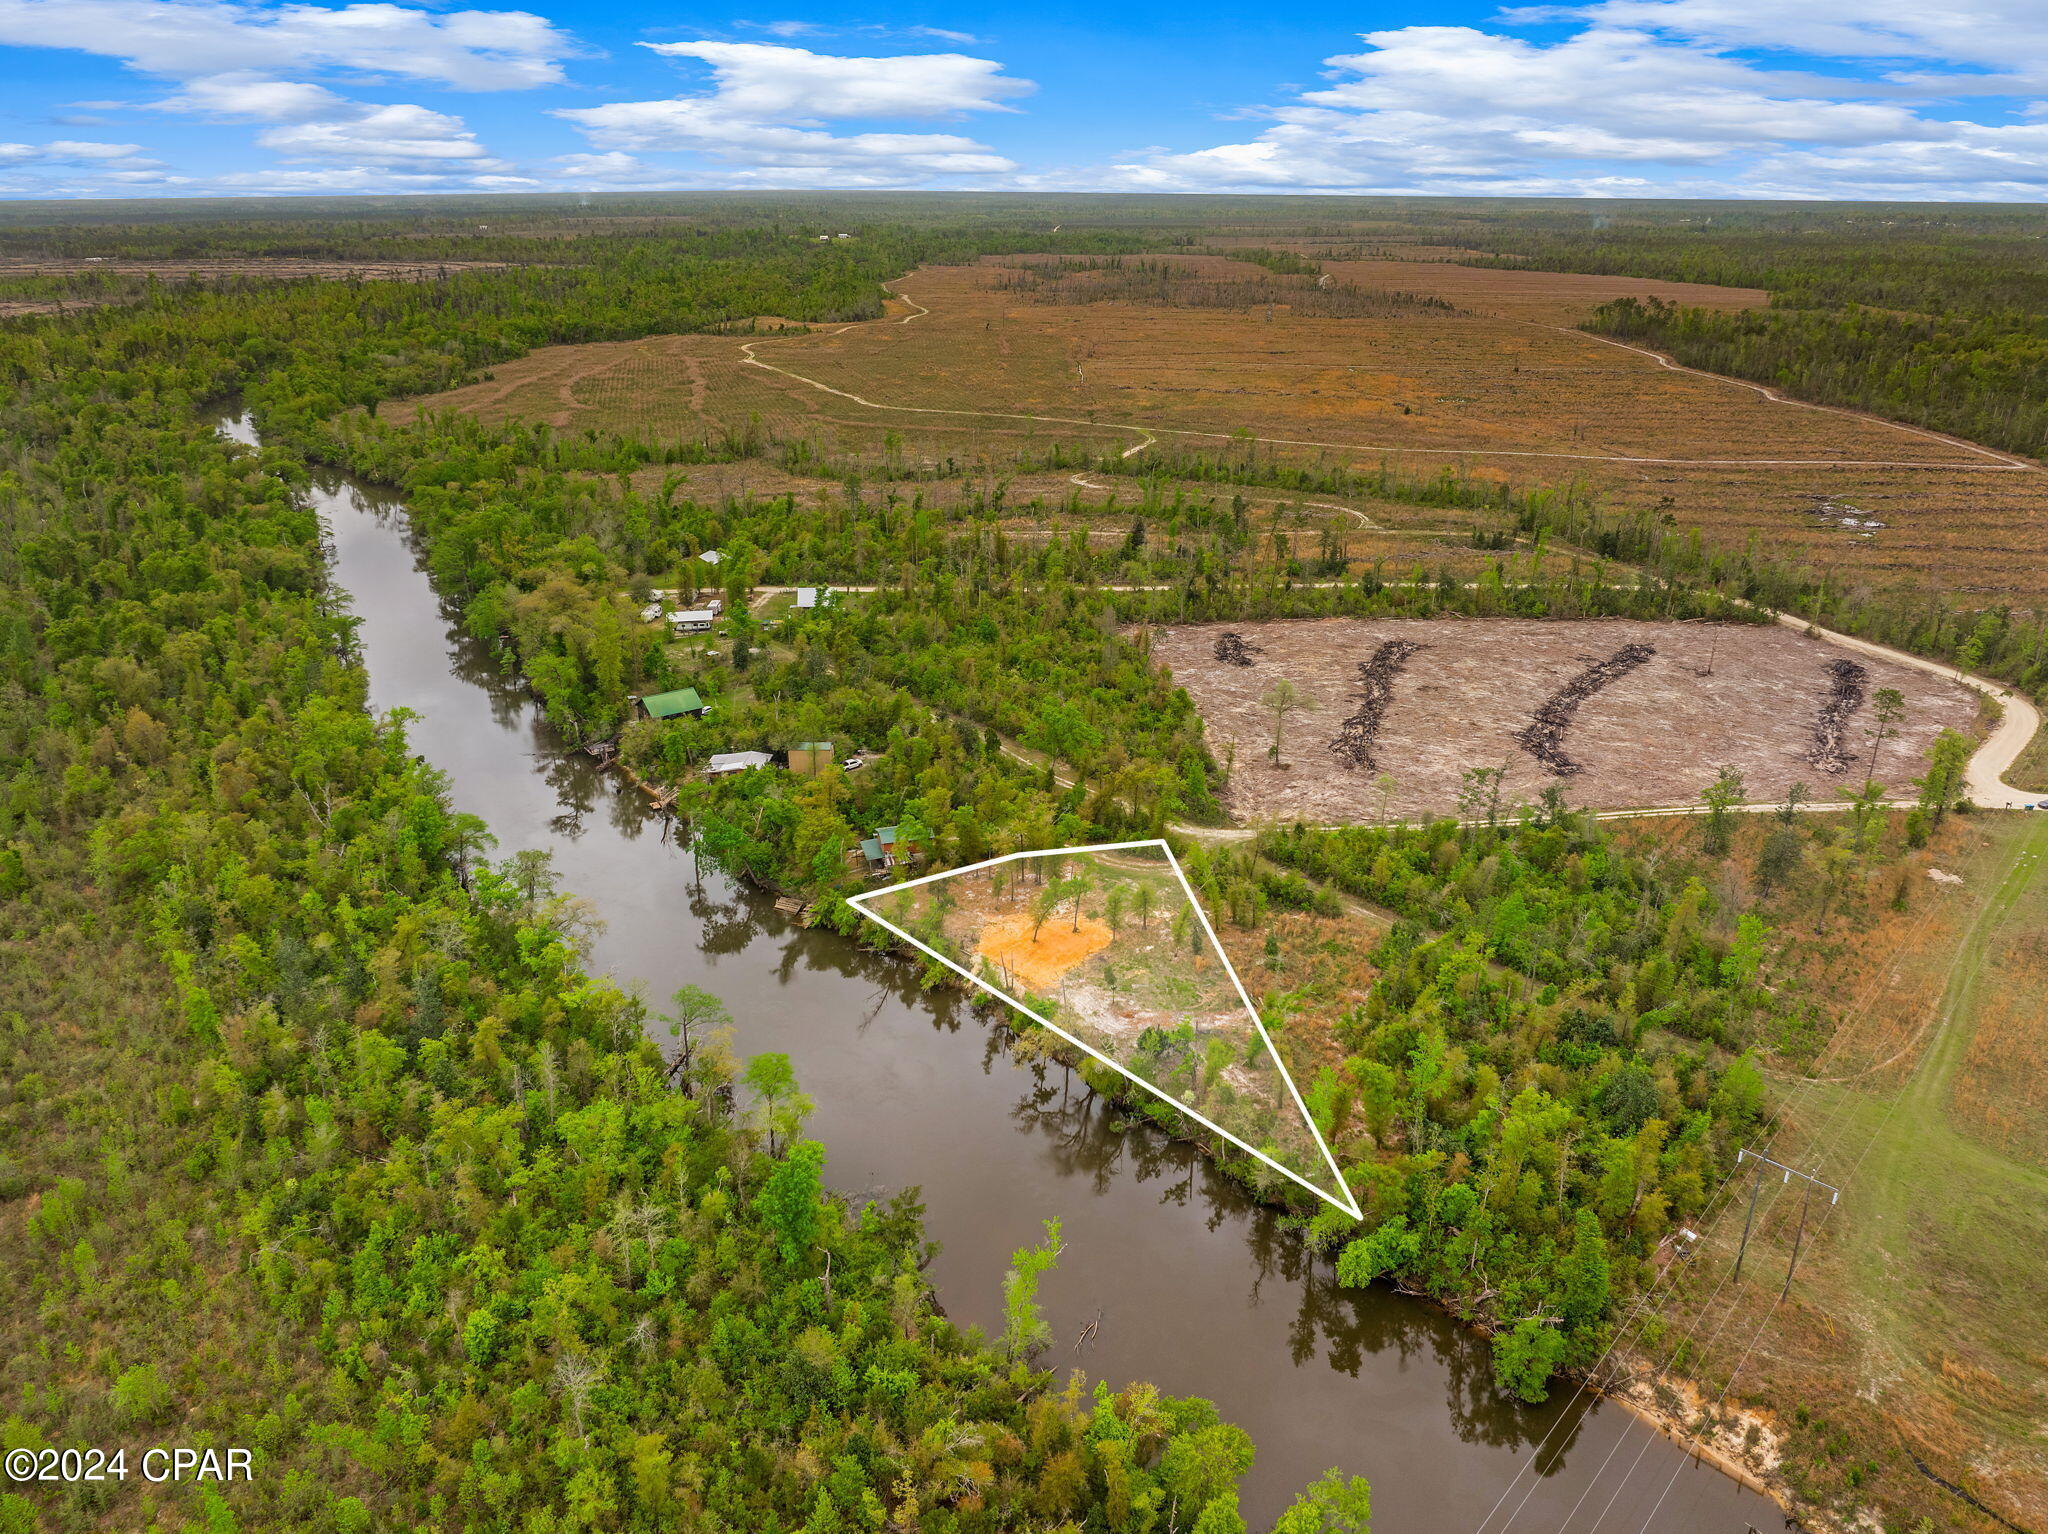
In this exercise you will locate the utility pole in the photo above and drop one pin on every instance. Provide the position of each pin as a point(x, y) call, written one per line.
point(1805, 1202)
point(1798, 1239)
point(1755, 1184)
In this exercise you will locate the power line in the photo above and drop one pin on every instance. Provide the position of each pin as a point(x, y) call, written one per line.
point(1804, 1086)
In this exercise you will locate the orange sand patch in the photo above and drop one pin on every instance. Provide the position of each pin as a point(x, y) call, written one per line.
point(1006, 942)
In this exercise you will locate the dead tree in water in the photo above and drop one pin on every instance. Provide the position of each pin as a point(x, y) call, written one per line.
point(1357, 735)
point(1543, 736)
point(1829, 751)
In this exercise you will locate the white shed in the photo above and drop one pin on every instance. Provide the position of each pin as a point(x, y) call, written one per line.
point(736, 761)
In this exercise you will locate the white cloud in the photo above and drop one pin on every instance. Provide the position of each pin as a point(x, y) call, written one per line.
point(75, 149)
point(249, 96)
point(1997, 163)
point(180, 39)
point(2007, 37)
point(78, 167)
point(388, 135)
point(868, 29)
point(762, 81)
point(1458, 109)
point(73, 152)
point(340, 180)
point(613, 171)
point(700, 127)
point(763, 115)
point(782, 28)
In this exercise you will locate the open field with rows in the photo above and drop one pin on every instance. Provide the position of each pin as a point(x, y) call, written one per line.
point(1423, 701)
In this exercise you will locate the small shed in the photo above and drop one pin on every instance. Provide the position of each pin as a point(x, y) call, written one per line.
point(810, 758)
point(807, 596)
point(697, 620)
point(736, 761)
point(672, 705)
point(711, 556)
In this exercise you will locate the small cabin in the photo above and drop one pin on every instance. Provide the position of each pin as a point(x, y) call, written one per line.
point(810, 758)
point(806, 596)
point(672, 705)
point(886, 848)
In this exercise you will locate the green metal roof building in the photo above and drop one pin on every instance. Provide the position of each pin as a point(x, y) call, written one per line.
point(670, 705)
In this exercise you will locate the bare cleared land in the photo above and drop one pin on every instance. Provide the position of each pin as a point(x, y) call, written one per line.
point(1438, 383)
point(1633, 729)
point(1499, 387)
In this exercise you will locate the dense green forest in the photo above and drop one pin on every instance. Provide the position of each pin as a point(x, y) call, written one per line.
point(486, 1261)
point(1007, 705)
point(469, 1253)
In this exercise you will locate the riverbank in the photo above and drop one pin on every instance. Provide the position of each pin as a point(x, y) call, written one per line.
point(1171, 1271)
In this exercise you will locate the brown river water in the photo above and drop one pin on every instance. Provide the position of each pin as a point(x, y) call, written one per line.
point(1188, 1283)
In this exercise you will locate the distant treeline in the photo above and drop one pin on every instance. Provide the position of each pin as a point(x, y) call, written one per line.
point(1173, 284)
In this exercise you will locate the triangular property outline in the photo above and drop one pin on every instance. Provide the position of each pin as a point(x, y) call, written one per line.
point(1349, 1204)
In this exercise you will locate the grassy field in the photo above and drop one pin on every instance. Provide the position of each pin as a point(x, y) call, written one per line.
point(2031, 770)
point(1913, 1330)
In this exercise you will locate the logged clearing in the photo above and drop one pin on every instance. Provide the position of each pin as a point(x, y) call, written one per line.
point(1040, 958)
point(1556, 298)
point(1435, 382)
point(1621, 714)
point(1499, 384)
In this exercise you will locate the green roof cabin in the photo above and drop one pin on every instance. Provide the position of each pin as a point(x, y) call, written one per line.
point(672, 705)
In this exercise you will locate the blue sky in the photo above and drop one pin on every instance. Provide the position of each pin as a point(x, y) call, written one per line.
point(1910, 99)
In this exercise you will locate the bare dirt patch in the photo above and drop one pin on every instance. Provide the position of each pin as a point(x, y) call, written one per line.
point(1040, 960)
point(1471, 692)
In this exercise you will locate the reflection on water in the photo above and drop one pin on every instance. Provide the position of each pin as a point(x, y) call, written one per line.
point(1170, 1272)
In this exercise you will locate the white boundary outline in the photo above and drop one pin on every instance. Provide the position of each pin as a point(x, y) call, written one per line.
point(1349, 1204)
